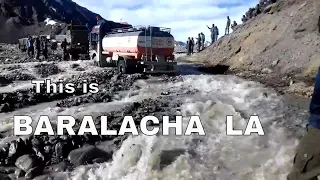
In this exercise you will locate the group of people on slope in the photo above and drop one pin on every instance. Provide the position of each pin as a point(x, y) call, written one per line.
point(200, 43)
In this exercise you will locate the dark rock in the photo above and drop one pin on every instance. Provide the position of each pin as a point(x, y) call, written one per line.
point(80, 69)
point(7, 170)
point(34, 172)
point(62, 150)
point(61, 167)
point(15, 149)
point(169, 156)
point(19, 173)
point(100, 160)
point(61, 176)
point(44, 177)
point(4, 81)
point(47, 149)
point(4, 177)
point(26, 162)
point(86, 155)
point(5, 107)
point(74, 65)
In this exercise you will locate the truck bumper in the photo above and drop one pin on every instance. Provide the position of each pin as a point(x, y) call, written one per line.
point(159, 67)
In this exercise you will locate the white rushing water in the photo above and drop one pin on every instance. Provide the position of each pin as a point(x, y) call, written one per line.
point(214, 156)
point(217, 156)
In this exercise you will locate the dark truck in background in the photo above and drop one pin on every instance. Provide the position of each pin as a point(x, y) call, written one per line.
point(77, 37)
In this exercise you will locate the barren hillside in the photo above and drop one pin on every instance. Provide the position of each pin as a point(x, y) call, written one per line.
point(20, 18)
point(281, 42)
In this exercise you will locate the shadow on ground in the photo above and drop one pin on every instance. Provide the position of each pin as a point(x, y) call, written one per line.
point(218, 69)
point(198, 69)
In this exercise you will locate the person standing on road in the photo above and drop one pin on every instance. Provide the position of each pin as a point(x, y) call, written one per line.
point(228, 26)
point(216, 33)
point(189, 43)
point(64, 49)
point(44, 46)
point(199, 42)
point(202, 40)
point(306, 163)
point(37, 48)
point(30, 49)
point(192, 45)
point(212, 33)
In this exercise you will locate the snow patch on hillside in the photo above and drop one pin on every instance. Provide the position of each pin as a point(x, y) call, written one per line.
point(48, 21)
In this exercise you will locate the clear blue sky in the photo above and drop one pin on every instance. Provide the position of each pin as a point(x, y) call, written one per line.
point(186, 18)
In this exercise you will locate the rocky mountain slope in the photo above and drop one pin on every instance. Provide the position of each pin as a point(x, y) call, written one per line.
point(19, 18)
point(283, 42)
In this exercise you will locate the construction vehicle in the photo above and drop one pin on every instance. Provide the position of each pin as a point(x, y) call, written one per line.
point(22, 43)
point(77, 37)
point(133, 49)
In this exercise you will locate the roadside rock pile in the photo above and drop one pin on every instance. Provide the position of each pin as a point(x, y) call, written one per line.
point(45, 70)
point(36, 155)
point(17, 75)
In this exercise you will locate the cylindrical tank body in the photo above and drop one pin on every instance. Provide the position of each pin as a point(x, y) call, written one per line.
point(139, 42)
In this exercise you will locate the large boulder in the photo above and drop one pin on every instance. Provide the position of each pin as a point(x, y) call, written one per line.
point(86, 155)
point(26, 162)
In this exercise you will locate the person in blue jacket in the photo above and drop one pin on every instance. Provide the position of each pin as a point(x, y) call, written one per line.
point(30, 48)
point(306, 163)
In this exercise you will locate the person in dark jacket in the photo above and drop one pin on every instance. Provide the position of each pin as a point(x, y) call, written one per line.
point(203, 38)
point(64, 49)
point(199, 40)
point(44, 47)
point(192, 45)
point(37, 46)
point(212, 30)
point(306, 163)
point(189, 45)
point(30, 49)
point(227, 31)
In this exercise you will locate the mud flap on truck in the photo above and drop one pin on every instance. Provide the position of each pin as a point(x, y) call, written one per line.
point(153, 67)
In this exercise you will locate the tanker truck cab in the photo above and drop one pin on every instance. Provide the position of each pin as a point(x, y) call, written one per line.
point(131, 49)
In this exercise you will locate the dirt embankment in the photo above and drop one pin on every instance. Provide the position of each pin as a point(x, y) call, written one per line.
point(280, 48)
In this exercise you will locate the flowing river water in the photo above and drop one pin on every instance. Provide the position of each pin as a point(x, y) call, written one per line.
point(215, 156)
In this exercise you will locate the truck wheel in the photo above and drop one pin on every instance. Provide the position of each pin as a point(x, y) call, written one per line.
point(122, 67)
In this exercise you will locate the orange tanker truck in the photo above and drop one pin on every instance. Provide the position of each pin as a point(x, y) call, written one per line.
point(133, 49)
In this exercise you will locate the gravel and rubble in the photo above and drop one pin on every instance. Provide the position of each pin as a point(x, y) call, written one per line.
point(45, 70)
point(109, 80)
point(107, 90)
